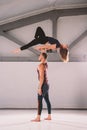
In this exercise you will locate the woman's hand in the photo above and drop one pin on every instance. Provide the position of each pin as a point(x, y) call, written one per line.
point(39, 91)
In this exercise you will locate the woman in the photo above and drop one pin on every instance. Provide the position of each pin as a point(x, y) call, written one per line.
point(47, 43)
point(43, 87)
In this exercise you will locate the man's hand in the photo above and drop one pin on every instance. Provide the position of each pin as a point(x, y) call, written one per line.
point(39, 91)
point(39, 48)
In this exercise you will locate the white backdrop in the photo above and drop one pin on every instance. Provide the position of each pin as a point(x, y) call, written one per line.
point(18, 85)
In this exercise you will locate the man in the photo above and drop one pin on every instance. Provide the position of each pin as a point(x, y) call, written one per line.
point(43, 87)
point(47, 43)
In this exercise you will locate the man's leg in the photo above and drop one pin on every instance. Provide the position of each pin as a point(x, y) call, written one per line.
point(40, 105)
point(46, 97)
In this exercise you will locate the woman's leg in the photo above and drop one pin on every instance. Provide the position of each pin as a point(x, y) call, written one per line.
point(39, 33)
point(34, 42)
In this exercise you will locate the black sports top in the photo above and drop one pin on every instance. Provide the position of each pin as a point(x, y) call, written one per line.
point(52, 40)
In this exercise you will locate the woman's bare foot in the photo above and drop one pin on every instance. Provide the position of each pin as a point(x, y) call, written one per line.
point(16, 51)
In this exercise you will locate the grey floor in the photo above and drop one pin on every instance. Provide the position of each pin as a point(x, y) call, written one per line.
point(61, 120)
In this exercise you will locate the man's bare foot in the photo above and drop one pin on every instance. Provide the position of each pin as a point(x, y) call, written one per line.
point(36, 120)
point(48, 118)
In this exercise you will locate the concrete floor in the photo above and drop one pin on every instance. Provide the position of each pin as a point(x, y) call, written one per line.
point(61, 120)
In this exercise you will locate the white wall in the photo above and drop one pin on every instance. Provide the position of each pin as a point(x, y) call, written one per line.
point(18, 85)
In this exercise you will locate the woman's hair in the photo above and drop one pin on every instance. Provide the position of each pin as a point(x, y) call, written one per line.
point(44, 55)
point(63, 52)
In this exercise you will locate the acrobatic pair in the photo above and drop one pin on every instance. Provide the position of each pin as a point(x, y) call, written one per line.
point(47, 43)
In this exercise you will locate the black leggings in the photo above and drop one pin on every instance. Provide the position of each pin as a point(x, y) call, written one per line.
point(35, 42)
point(40, 105)
point(41, 38)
